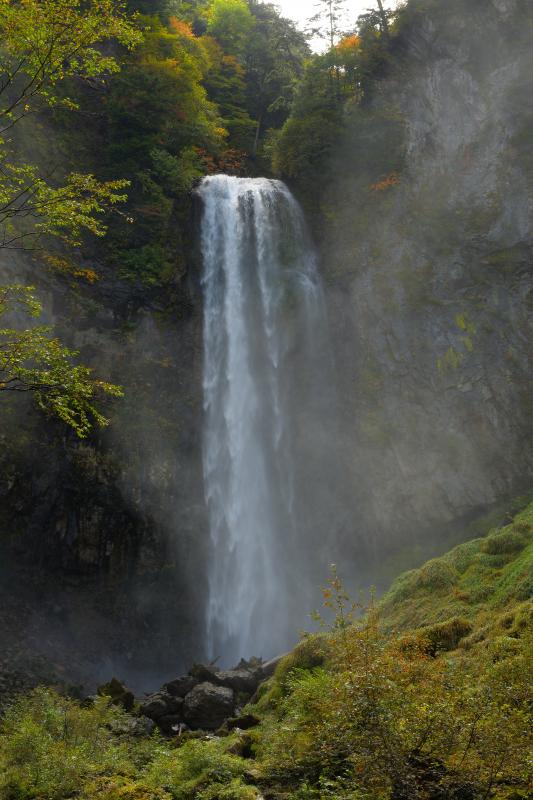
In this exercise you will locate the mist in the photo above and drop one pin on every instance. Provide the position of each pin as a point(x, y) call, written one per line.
point(420, 439)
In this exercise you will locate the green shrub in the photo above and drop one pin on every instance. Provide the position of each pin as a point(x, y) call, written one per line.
point(118, 787)
point(436, 575)
point(446, 636)
point(235, 790)
point(461, 557)
point(507, 541)
point(49, 745)
point(312, 651)
point(192, 768)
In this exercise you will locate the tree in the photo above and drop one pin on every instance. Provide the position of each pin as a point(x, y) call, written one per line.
point(306, 140)
point(33, 361)
point(160, 123)
point(274, 62)
point(377, 20)
point(326, 22)
point(384, 19)
point(44, 43)
point(231, 23)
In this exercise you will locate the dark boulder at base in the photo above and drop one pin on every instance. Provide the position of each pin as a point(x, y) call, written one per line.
point(204, 672)
point(207, 706)
point(161, 704)
point(181, 686)
point(133, 726)
point(240, 680)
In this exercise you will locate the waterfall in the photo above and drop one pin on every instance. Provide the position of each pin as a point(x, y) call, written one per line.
point(264, 334)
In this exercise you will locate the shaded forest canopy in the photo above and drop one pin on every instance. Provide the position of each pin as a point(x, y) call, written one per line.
point(142, 100)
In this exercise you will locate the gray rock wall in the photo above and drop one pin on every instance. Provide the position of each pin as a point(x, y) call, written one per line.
point(430, 280)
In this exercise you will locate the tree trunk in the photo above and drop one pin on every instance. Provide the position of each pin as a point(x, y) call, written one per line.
point(384, 22)
point(257, 134)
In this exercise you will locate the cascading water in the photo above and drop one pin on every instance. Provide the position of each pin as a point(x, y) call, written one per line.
point(264, 347)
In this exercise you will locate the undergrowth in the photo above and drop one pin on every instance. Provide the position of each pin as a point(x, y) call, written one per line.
point(426, 695)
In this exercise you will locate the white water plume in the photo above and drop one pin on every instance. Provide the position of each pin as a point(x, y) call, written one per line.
point(265, 377)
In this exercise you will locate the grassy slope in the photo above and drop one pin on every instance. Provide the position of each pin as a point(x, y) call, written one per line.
point(487, 582)
point(473, 607)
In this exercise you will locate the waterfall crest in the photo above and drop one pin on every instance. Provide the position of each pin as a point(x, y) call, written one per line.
point(264, 324)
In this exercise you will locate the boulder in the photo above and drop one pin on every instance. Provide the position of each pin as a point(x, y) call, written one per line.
point(208, 705)
point(133, 726)
point(172, 724)
point(161, 704)
point(181, 686)
point(204, 672)
point(240, 680)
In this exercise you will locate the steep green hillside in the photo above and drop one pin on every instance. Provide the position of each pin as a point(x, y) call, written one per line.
point(428, 697)
point(486, 582)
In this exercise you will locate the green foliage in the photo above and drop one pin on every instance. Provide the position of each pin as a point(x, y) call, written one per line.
point(46, 41)
point(226, 86)
point(327, 22)
point(188, 101)
point(162, 126)
point(506, 541)
point(231, 23)
point(386, 719)
point(310, 133)
point(311, 652)
point(234, 790)
point(390, 718)
point(494, 572)
point(33, 361)
point(274, 61)
point(335, 137)
point(49, 746)
point(445, 636)
point(356, 712)
point(197, 766)
point(118, 787)
point(64, 211)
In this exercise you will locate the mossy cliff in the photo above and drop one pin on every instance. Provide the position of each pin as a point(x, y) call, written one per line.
point(419, 197)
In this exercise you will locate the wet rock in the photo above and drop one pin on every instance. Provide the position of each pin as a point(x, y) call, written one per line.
point(133, 726)
point(204, 672)
point(161, 704)
point(181, 686)
point(172, 724)
point(208, 705)
point(240, 680)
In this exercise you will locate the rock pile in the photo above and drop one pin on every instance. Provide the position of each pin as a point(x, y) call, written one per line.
point(204, 699)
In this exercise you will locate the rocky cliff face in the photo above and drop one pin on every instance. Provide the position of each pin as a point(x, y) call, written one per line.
point(427, 254)
point(428, 258)
point(102, 540)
